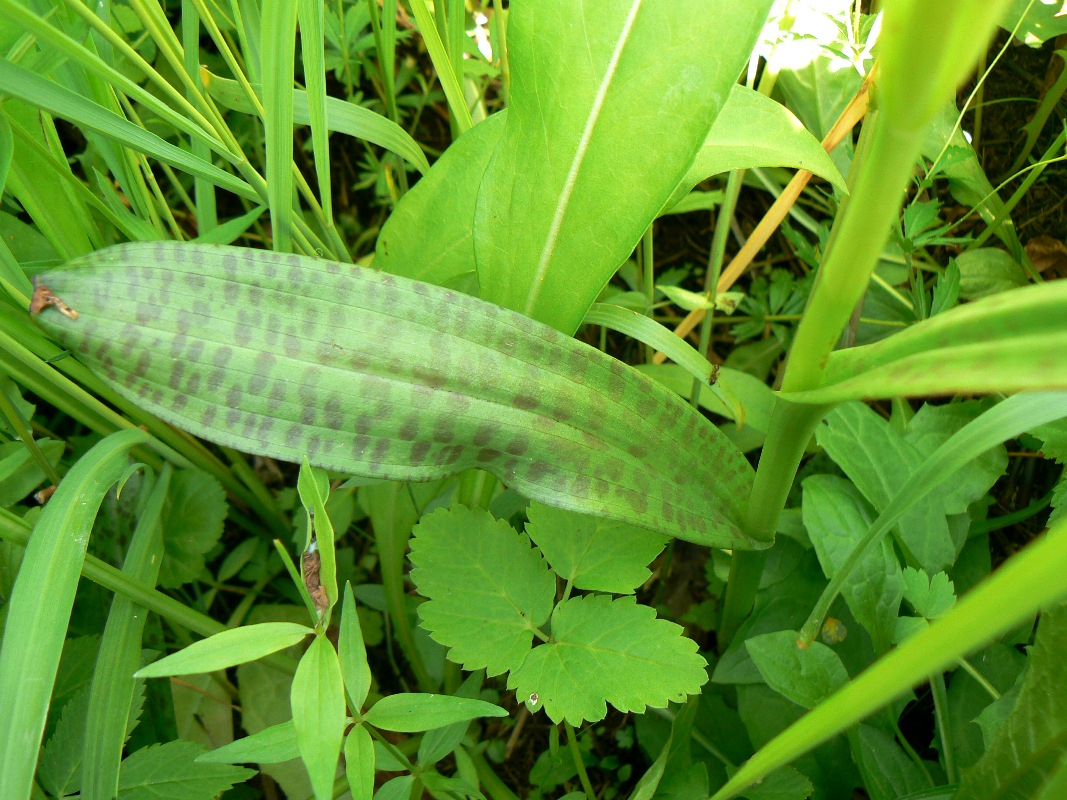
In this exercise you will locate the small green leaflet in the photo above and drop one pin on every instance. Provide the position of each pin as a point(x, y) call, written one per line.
point(171, 770)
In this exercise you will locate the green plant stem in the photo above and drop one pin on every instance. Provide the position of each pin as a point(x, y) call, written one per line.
point(1014, 518)
point(937, 685)
point(787, 437)
point(902, 740)
point(490, 781)
point(885, 160)
point(17, 531)
point(579, 764)
point(15, 420)
point(648, 280)
point(714, 269)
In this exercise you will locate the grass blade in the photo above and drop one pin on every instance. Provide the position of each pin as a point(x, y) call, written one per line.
point(278, 42)
point(40, 605)
point(341, 117)
point(68, 105)
point(113, 683)
point(444, 382)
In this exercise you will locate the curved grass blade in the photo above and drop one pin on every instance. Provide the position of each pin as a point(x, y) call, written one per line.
point(1010, 342)
point(113, 683)
point(40, 605)
point(378, 376)
point(341, 117)
point(1030, 580)
point(62, 102)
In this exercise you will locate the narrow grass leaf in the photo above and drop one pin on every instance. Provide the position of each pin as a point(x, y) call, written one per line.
point(272, 745)
point(68, 105)
point(279, 39)
point(265, 353)
point(1028, 581)
point(311, 16)
point(341, 117)
point(647, 331)
point(359, 763)
point(353, 653)
point(450, 81)
point(228, 649)
point(318, 700)
point(38, 610)
point(574, 179)
point(113, 684)
point(1013, 341)
point(409, 713)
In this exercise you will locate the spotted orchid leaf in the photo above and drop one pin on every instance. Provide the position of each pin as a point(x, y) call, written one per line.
point(379, 376)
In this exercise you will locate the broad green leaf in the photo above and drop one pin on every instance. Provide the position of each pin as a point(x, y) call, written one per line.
point(67, 104)
point(228, 649)
point(171, 771)
point(265, 353)
point(932, 597)
point(341, 117)
point(488, 589)
point(429, 237)
point(1028, 750)
point(752, 130)
point(359, 763)
point(887, 770)
point(879, 461)
point(192, 525)
point(614, 651)
point(352, 653)
point(113, 688)
point(836, 517)
point(1012, 341)
point(38, 610)
point(988, 270)
point(397, 788)
point(1028, 581)
point(318, 699)
point(1040, 21)
point(594, 554)
point(410, 713)
point(269, 746)
point(932, 426)
point(806, 677)
point(594, 144)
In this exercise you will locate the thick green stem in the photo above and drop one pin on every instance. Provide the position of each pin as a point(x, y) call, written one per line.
point(883, 167)
point(790, 431)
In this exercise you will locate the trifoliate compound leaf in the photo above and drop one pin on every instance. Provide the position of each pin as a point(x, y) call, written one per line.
point(379, 376)
point(608, 651)
point(192, 525)
point(170, 772)
point(933, 596)
point(488, 589)
point(804, 676)
point(595, 553)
